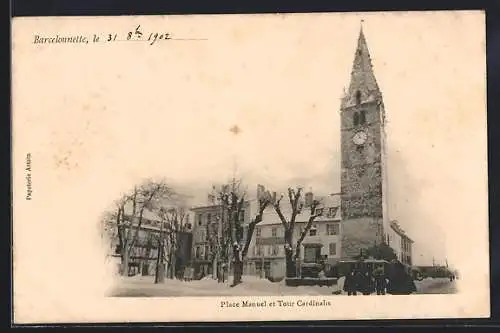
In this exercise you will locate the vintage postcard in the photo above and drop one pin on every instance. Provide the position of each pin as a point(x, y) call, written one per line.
point(327, 166)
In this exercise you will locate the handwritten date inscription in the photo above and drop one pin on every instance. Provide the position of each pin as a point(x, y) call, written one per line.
point(136, 35)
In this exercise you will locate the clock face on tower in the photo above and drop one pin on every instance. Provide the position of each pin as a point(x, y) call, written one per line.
point(359, 137)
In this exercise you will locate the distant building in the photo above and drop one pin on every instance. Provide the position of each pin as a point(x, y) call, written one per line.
point(209, 226)
point(205, 226)
point(144, 254)
point(400, 242)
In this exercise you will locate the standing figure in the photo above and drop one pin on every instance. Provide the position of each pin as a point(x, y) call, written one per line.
point(380, 280)
point(351, 283)
point(365, 283)
point(400, 282)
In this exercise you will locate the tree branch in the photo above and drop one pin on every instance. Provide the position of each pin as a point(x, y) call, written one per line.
point(121, 229)
point(251, 227)
point(294, 201)
point(141, 214)
point(309, 224)
point(277, 208)
point(134, 210)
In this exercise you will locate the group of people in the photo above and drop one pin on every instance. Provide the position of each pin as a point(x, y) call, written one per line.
point(395, 281)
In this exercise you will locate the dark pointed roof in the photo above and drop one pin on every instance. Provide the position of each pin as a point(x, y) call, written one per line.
point(363, 82)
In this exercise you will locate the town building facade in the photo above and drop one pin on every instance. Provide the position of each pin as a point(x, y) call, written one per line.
point(266, 255)
point(148, 237)
point(144, 253)
point(210, 230)
point(401, 243)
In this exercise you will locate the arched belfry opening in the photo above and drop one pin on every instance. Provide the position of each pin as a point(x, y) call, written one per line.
point(362, 117)
point(358, 97)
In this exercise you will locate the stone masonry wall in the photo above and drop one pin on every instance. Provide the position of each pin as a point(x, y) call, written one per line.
point(360, 233)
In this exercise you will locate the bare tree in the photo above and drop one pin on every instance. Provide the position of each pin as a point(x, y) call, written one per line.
point(298, 245)
point(264, 199)
point(219, 233)
point(145, 196)
point(174, 219)
point(294, 197)
point(233, 200)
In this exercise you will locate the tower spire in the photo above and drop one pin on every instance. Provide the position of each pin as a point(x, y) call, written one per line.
point(363, 86)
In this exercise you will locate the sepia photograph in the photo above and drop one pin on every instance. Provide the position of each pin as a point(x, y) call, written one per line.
point(273, 241)
point(259, 167)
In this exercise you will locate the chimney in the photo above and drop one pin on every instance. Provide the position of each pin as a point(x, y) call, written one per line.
point(211, 199)
point(260, 191)
point(308, 199)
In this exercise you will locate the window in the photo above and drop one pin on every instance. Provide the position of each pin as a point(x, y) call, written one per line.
point(259, 250)
point(362, 117)
point(358, 97)
point(199, 219)
point(209, 218)
point(333, 249)
point(313, 231)
point(242, 215)
point(197, 252)
point(332, 211)
point(258, 232)
point(274, 232)
point(275, 250)
point(203, 236)
point(319, 211)
point(355, 119)
point(332, 229)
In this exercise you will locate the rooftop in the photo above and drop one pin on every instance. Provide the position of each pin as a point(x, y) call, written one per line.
point(397, 228)
point(271, 217)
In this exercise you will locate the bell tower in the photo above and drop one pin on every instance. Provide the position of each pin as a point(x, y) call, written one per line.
point(363, 174)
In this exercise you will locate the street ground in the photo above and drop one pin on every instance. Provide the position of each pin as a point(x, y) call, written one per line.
point(143, 286)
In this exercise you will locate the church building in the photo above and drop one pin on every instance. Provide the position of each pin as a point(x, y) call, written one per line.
point(364, 207)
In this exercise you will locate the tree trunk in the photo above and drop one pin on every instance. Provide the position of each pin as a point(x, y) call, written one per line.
point(290, 266)
point(237, 268)
point(215, 268)
point(238, 272)
point(145, 268)
point(160, 273)
point(160, 266)
point(173, 264)
point(124, 263)
point(298, 272)
point(170, 263)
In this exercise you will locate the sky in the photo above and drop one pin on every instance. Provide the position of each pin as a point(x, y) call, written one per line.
point(166, 111)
